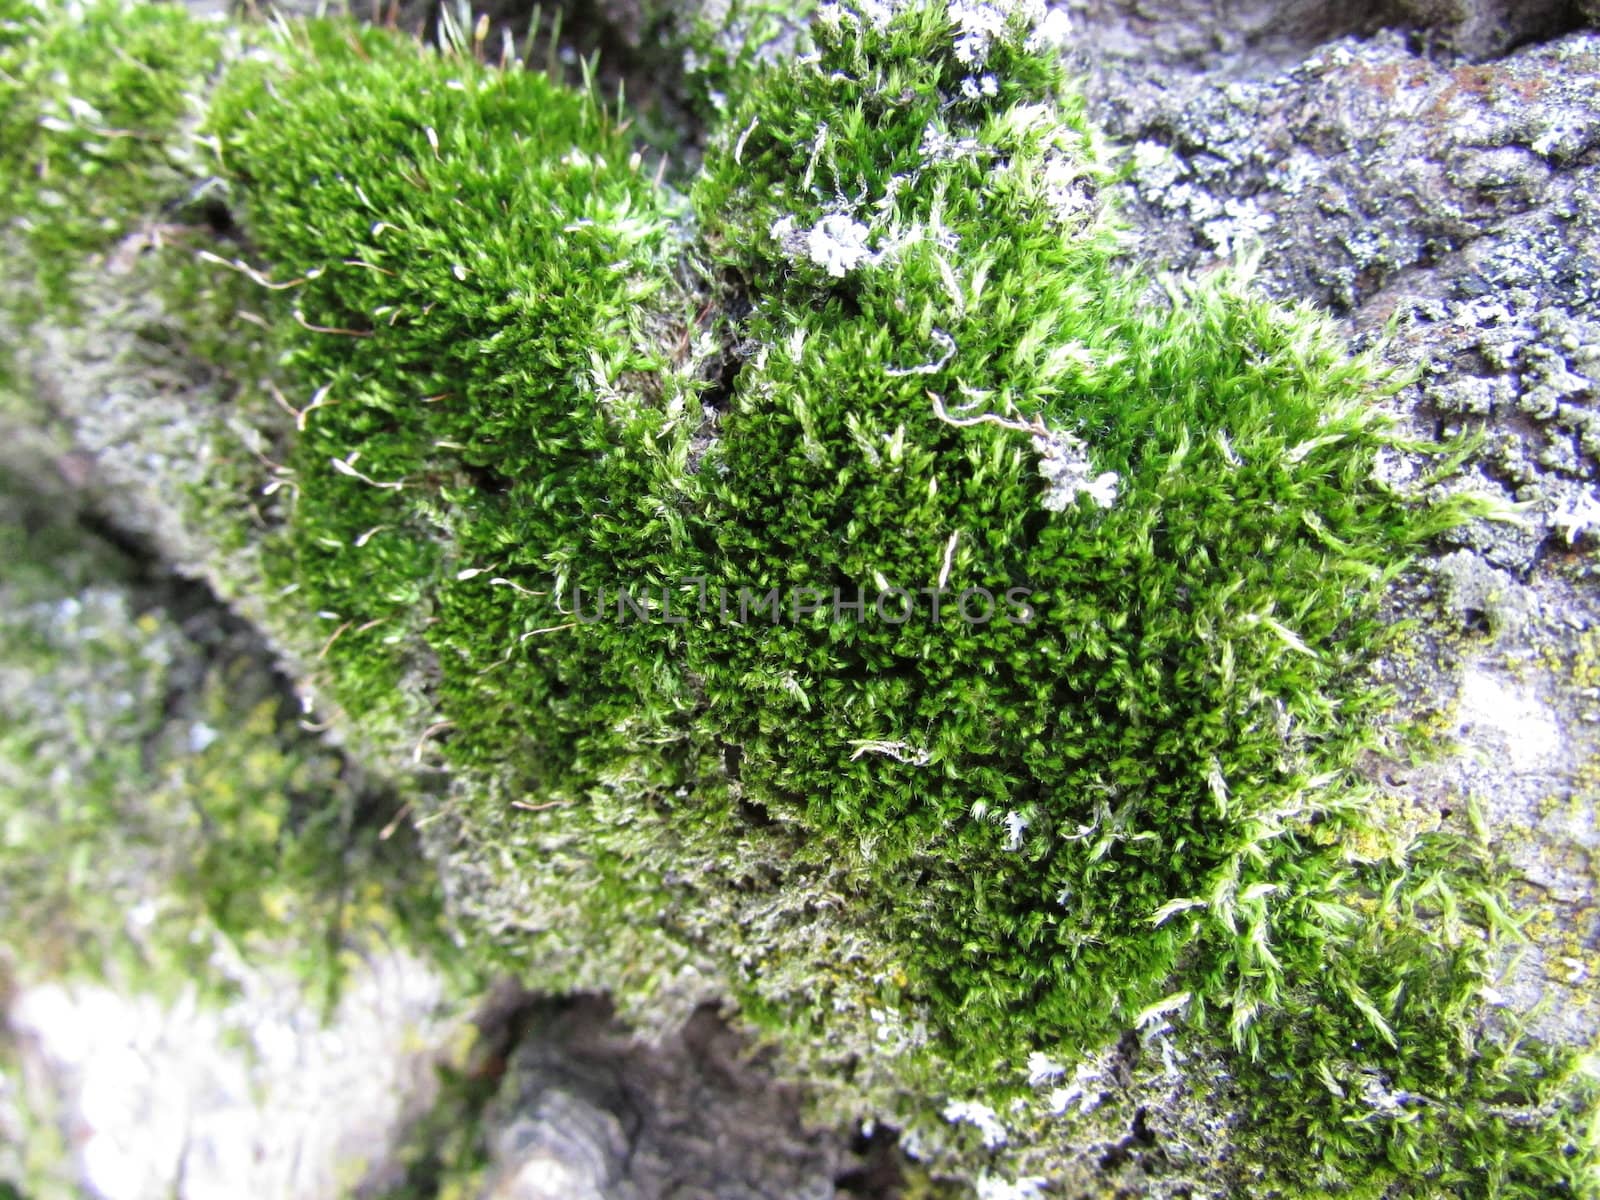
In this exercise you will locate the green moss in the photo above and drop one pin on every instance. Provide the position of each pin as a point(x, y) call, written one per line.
point(1143, 793)
point(1422, 1082)
point(157, 804)
point(444, 1153)
point(90, 98)
point(491, 255)
point(889, 343)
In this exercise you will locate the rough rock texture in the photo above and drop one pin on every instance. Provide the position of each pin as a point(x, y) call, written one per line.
point(586, 1112)
point(1363, 161)
point(1231, 38)
point(150, 1047)
point(1449, 209)
point(256, 1097)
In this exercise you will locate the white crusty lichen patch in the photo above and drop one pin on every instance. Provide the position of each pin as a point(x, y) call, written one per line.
point(982, 1118)
point(838, 243)
point(996, 1187)
point(258, 1097)
point(1063, 456)
point(1064, 463)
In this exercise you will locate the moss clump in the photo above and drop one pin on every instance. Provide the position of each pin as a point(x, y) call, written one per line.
point(1147, 774)
point(471, 260)
point(1091, 765)
point(1141, 797)
point(1409, 1073)
point(90, 99)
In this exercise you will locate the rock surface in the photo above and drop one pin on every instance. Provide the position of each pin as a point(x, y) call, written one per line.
point(257, 1097)
point(1219, 39)
point(585, 1111)
point(1448, 208)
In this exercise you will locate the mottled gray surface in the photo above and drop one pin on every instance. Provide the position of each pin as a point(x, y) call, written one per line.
point(586, 1112)
point(168, 1098)
point(1459, 203)
point(147, 1051)
point(1450, 211)
point(1211, 39)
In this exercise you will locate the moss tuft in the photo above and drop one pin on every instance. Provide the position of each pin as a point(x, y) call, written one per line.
point(469, 259)
point(91, 97)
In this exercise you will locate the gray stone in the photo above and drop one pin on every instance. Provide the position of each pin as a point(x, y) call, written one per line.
point(586, 1110)
point(1449, 211)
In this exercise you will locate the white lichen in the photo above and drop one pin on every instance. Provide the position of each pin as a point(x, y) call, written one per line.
point(993, 1187)
point(838, 243)
point(982, 1118)
point(1043, 1069)
point(1064, 463)
point(1016, 824)
point(1575, 515)
point(980, 23)
point(1241, 221)
point(1053, 32)
point(1063, 457)
point(975, 87)
point(1157, 170)
point(1067, 189)
point(1081, 1091)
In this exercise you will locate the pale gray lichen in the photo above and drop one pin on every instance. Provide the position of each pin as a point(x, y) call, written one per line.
point(982, 1118)
point(995, 1187)
point(837, 243)
point(1064, 463)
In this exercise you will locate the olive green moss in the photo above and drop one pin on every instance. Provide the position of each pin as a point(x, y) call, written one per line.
point(88, 106)
point(158, 804)
point(885, 343)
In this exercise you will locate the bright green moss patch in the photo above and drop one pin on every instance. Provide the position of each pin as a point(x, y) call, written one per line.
point(1092, 562)
point(469, 261)
point(970, 395)
point(1138, 804)
point(90, 97)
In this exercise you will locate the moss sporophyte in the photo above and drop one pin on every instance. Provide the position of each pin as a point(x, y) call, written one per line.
point(885, 342)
